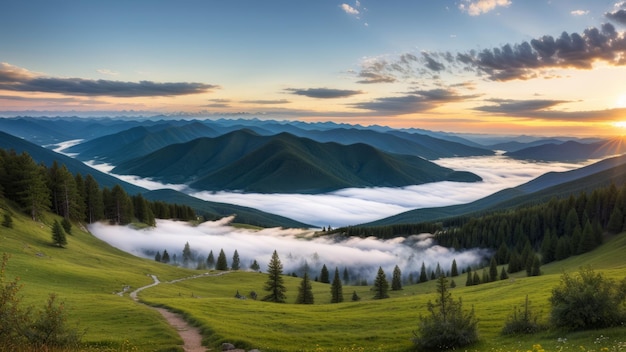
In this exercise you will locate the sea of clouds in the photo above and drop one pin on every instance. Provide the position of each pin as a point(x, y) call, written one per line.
point(362, 256)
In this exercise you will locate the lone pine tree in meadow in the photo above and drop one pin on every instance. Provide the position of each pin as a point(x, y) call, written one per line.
point(381, 286)
point(336, 290)
point(58, 234)
point(275, 284)
point(305, 291)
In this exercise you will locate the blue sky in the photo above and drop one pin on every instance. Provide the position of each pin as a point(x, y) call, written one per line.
point(440, 65)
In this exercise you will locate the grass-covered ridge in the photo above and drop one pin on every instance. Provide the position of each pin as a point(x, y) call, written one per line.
point(88, 272)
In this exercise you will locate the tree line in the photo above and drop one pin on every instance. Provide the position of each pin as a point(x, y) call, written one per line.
point(36, 189)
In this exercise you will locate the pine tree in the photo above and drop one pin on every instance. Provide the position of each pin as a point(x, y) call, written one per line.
point(58, 234)
point(236, 263)
point(336, 289)
point(255, 266)
point(493, 270)
point(503, 274)
point(324, 275)
point(476, 279)
point(275, 285)
point(186, 255)
point(221, 263)
point(396, 280)
point(346, 276)
point(210, 260)
point(94, 205)
point(423, 276)
point(454, 271)
point(470, 280)
point(305, 291)
point(355, 297)
point(157, 257)
point(381, 286)
point(67, 226)
point(165, 258)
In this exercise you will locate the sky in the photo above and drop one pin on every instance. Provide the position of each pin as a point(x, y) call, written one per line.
point(542, 67)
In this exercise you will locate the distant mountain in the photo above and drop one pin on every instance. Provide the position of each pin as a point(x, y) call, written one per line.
point(244, 215)
point(514, 146)
point(571, 151)
point(551, 184)
point(283, 163)
point(139, 141)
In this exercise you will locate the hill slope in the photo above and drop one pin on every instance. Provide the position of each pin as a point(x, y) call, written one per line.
point(210, 209)
point(552, 184)
point(243, 160)
point(571, 151)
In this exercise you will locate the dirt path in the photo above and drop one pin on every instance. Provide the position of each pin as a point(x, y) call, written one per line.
point(192, 339)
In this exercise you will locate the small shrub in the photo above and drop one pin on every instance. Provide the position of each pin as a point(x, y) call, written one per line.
point(447, 326)
point(588, 301)
point(7, 221)
point(522, 321)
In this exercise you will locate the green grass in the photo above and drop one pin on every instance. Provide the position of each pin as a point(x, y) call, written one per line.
point(87, 273)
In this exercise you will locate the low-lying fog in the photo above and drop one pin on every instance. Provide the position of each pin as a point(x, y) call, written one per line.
point(352, 206)
point(361, 256)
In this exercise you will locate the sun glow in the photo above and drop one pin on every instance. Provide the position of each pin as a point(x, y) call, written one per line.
point(620, 124)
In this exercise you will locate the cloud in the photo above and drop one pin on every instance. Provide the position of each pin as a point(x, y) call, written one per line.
point(579, 12)
point(349, 9)
point(618, 14)
point(266, 102)
point(415, 101)
point(519, 106)
point(478, 7)
point(107, 72)
point(521, 61)
point(324, 93)
point(361, 256)
point(20, 80)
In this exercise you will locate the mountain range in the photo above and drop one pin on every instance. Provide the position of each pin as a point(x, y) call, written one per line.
point(288, 157)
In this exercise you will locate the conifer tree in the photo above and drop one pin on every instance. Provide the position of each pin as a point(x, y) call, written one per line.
point(157, 257)
point(423, 276)
point(355, 297)
point(396, 280)
point(336, 289)
point(222, 263)
point(186, 255)
point(493, 270)
point(503, 274)
point(476, 279)
point(210, 260)
point(94, 205)
point(236, 262)
point(470, 279)
point(67, 226)
point(58, 234)
point(324, 275)
point(381, 286)
point(275, 285)
point(305, 291)
point(255, 266)
point(454, 271)
point(165, 258)
point(346, 276)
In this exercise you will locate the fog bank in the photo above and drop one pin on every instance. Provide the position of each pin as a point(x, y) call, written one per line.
point(361, 256)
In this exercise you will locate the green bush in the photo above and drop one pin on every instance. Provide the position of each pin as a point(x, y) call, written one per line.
point(522, 321)
point(588, 301)
point(447, 326)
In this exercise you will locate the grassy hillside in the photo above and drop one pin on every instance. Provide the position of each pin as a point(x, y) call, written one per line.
point(88, 272)
point(85, 275)
point(379, 325)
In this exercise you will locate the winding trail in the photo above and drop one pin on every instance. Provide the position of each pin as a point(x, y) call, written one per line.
point(192, 339)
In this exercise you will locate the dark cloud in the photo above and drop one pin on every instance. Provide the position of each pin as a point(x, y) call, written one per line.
point(267, 102)
point(526, 60)
point(618, 16)
point(415, 101)
point(519, 106)
point(20, 80)
point(324, 93)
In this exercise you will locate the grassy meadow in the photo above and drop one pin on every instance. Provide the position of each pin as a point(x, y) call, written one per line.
point(87, 274)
